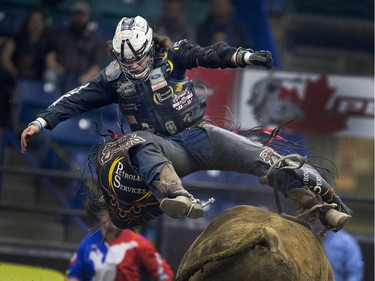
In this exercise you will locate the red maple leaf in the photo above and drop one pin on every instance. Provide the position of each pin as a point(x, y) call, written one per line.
point(317, 116)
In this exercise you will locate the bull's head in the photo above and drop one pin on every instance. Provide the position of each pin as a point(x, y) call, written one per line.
point(248, 243)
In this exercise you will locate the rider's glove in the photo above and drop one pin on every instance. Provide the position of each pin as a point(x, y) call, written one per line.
point(246, 57)
point(340, 205)
point(330, 196)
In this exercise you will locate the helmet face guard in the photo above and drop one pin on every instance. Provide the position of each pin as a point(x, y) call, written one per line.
point(133, 47)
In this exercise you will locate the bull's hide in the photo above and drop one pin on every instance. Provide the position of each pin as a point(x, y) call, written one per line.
point(246, 243)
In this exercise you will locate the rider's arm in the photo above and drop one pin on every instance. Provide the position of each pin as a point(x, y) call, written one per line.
point(96, 93)
point(89, 96)
point(192, 55)
point(219, 55)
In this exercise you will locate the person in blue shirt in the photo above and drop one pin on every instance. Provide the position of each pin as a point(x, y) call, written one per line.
point(345, 255)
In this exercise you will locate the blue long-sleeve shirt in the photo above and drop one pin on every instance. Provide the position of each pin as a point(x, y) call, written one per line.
point(344, 255)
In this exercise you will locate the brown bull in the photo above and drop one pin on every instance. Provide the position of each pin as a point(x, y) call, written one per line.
point(246, 243)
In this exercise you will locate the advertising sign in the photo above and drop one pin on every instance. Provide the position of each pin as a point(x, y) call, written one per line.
point(324, 104)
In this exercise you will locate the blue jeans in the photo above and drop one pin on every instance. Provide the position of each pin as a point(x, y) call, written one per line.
point(199, 148)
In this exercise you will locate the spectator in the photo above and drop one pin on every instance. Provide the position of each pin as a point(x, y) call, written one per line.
point(343, 253)
point(7, 84)
point(172, 22)
point(79, 51)
point(222, 24)
point(23, 56)
point(114, 254)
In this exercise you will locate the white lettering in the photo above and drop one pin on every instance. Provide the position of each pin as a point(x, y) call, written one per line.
point(350, 105)
point(117, 181)
point(133, 190)
point(317, 189)
point(70, 93)
point(120, 168)
point(132, 177)
point(306, 177)
point(369, 109)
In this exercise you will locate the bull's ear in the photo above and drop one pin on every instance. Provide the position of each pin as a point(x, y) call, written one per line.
point(266, 237)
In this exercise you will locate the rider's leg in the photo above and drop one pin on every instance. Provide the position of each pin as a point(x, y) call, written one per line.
point(159, 174)
point(308, 188)
point(178, 202)
point(237, 153)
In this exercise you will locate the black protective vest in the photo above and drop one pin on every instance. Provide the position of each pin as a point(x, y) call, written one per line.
point(163, 104)
point(129, 201)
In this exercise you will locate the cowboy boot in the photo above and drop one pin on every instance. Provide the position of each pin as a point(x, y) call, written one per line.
point(175, 200)
point(182, 205)
point(330, 217)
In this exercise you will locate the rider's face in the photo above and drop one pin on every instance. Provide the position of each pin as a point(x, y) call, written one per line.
point(137, 65)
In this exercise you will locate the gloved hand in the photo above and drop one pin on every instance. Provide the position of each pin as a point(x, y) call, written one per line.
point(330, 196)
point(246, 57)
point(260, 58)
point(340, 205)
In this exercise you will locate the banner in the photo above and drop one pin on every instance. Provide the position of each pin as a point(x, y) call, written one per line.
point(323, 104)
point(217, 86)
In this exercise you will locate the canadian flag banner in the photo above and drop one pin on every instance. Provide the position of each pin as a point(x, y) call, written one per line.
point(317, 103)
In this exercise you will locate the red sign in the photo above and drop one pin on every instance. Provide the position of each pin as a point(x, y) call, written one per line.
point(217, 87)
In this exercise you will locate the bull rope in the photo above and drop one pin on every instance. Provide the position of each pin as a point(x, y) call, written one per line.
point(264, 179)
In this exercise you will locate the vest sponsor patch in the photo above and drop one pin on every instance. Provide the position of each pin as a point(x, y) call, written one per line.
point(118, 178)
point(123, 143)
point(163, 95)
point(157, 79)
point(188, 117)
point(171, 127)
point(125, 89)
point(182, 100)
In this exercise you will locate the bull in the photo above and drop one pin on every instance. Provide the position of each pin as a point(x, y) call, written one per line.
point(253, 244)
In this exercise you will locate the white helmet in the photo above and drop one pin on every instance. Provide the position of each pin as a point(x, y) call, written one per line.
point(133, 47)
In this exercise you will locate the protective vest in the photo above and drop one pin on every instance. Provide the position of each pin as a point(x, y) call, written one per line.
point(130, 203)
point(164, 104)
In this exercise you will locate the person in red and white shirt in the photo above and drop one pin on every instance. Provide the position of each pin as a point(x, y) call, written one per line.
point(113, 254)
